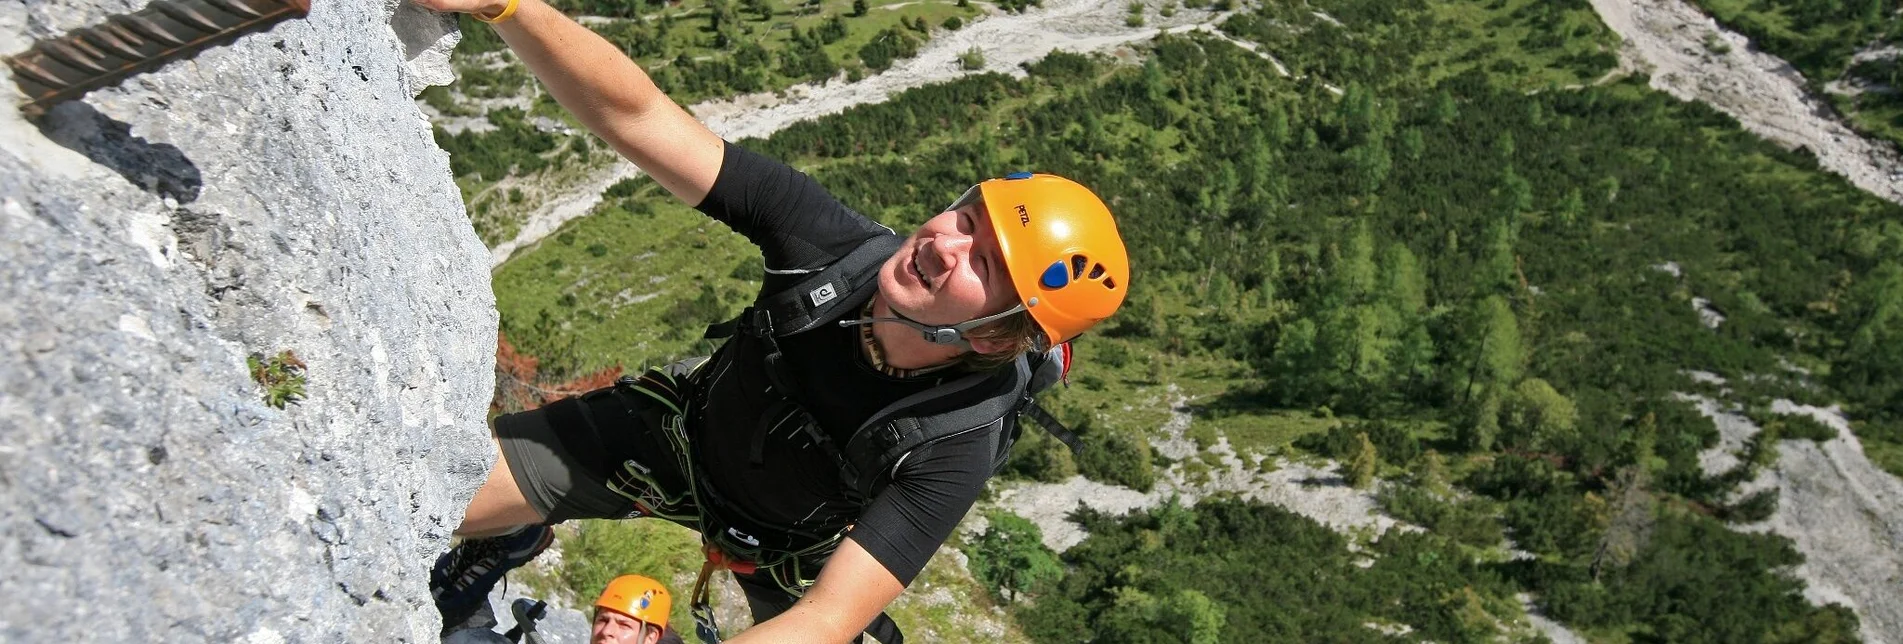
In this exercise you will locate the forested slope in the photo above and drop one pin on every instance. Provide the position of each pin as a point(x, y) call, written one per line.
point(1442, 231)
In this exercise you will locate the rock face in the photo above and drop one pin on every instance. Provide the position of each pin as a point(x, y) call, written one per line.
point(281, 193)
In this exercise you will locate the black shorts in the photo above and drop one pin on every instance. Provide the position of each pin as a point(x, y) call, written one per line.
point(613, 453)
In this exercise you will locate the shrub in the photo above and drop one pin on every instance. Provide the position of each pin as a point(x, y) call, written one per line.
point(1751, 509)
point(1039, 457)
point(1115, 457)
point(1393, 443)
point(1010, 557)
point(1469, 522)
point(890, 45)
point(972, 59)
point(1802, 427)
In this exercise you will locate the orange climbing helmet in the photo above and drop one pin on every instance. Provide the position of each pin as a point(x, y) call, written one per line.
point(638, 597)
point(1061, 247)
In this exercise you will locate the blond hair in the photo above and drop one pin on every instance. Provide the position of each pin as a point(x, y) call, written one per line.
point(1018, 330)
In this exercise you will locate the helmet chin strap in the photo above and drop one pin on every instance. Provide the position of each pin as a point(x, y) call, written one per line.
point(953, 335)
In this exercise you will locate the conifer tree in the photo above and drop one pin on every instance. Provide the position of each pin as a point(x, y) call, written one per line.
point(1431, 473)
point(1445, 110)
point(1483, 425)
point(1502, 355)
point(1361, 467)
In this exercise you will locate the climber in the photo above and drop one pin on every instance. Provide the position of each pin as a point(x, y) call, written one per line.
point(796, 449)
point(633, 610)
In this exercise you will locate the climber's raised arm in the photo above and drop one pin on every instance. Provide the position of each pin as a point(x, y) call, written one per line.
point(611, 95)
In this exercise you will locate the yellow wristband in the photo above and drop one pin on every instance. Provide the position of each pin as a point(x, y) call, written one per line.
point(507, 13)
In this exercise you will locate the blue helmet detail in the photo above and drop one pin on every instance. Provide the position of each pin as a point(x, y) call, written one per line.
point(1018, 175)
point(1057, 276)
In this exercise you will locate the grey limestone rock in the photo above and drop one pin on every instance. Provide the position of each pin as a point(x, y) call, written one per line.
point(281, 193)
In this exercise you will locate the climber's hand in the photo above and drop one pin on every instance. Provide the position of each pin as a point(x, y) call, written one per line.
point(483, 7)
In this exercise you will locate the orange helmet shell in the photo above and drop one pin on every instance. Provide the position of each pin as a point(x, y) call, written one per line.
point(1061, 246)
point(638, 597)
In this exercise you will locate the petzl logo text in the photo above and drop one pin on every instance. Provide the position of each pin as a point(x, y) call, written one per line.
point(1024, 216)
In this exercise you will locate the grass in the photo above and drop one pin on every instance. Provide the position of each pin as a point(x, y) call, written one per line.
point(1125, 390)
point(1574, 50)
point(1884, 454)
point(596, 551)
point(1877, 114)
point(498, 216)
point(945, 604)
point(615, 282)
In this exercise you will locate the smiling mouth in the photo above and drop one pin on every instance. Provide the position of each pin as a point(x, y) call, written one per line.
point(919, 272)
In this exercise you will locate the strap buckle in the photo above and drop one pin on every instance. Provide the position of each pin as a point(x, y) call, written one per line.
point(756, 321)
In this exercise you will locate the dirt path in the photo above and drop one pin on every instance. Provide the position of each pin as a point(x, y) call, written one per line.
point(1763, 92)
point(1006, 40)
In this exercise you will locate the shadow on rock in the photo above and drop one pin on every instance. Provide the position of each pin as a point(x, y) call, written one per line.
point(159, 168)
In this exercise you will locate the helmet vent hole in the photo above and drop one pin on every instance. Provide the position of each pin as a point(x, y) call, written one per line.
point(1110, 283)
point(1077, 264)
point(1096, 272)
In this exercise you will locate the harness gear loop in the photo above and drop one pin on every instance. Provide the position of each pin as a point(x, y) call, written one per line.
point(704, 625)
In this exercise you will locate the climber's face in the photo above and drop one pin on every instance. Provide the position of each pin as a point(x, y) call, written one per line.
point(615, 628)
point(949, 271)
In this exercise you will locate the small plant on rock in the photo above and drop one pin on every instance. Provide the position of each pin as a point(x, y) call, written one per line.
point(1716, 44)
point(282, 377)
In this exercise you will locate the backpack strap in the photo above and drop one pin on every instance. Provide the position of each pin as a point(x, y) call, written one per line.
point(881, 443)
point(1051, 424)
point(826, 295)
point(833, 291)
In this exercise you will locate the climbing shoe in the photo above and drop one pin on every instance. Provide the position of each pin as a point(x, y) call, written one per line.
point(462, 578)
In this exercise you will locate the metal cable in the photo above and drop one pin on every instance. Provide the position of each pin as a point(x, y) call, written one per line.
point(68, 66)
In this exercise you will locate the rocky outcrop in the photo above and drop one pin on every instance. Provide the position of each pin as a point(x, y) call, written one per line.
point(282, 193)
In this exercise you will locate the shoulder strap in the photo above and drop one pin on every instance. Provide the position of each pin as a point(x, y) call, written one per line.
point(882, 442)
point(839, 288)
point(1049, 368)
point(1052, 425)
